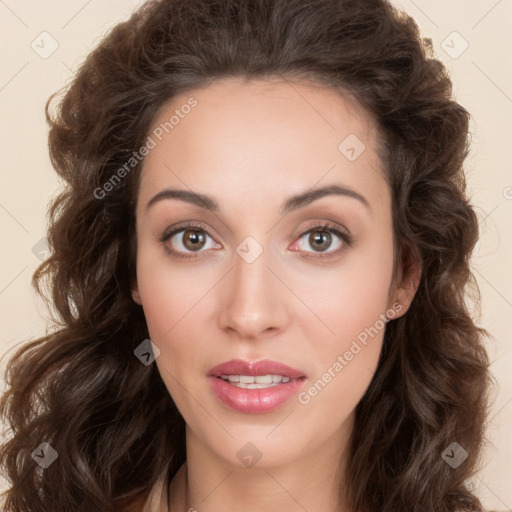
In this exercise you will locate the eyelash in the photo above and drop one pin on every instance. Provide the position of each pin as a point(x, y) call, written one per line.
point(325, 226)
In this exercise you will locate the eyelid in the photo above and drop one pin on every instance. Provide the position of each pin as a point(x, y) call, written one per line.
point(183, 227)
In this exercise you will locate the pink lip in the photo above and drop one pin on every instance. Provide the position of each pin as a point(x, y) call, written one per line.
point(254, 401)
point(263, 367)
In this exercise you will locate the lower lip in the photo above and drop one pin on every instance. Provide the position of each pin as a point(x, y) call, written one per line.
point(254, 401)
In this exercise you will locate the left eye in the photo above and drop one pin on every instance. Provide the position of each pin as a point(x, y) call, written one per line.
point(322, 238)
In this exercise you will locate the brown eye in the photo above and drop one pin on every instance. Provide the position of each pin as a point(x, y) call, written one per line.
point(193, 240)
point(320, 239)
point(324, 240)
point(188, 242)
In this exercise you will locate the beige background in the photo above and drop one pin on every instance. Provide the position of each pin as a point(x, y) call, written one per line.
point(482, 83)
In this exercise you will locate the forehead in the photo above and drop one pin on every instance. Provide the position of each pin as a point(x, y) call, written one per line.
point(262, 136)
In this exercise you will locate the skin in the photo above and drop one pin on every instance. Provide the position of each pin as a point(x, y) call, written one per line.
point(251, 146)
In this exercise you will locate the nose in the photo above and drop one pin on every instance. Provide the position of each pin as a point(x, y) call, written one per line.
point(255, 302)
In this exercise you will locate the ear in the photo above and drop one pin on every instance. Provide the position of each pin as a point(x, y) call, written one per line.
point(135, 292)
point(405, 283)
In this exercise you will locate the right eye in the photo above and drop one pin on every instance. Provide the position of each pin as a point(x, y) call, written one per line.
point(187, 241)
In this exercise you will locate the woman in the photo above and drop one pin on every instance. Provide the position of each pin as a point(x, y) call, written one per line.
point(259, 265)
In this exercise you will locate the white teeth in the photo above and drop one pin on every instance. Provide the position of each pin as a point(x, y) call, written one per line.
point(263, 379)
point(260, 386)
point(255, 382)
point(231, 378)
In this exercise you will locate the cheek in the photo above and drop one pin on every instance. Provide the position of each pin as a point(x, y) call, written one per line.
point(331, 397)
point(345, 361)
point(351, 303)
point(173, 299)
point(352, 296)
point(168, 308)
point(168, 292)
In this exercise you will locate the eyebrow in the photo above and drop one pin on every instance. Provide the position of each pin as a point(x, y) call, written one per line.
point(293, 203)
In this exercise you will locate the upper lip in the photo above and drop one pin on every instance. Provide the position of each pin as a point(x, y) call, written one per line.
point(255, 368)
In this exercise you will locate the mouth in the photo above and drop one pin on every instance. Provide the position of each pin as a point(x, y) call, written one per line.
point(254, 387)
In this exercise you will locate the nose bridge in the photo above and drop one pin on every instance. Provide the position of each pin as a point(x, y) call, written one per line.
point(253, 303)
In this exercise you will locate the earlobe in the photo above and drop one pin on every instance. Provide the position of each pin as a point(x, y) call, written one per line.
point(136, 294)
point(406, 283)
point(405, 295)
point(408, 287)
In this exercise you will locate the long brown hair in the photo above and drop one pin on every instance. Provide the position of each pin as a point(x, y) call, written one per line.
point(110, 418)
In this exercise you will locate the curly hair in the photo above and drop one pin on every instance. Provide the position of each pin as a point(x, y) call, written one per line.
point(111, 419)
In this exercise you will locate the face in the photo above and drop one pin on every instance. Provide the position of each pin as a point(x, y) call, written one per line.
point(250, 274)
